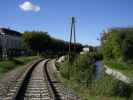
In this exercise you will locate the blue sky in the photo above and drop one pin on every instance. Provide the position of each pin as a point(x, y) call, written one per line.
point(92, 17)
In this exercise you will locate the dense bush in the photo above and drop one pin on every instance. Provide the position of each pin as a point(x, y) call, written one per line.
point(85, 67)
point(65, 69)
point(122, 89)
point(117, 44)
point(82, 69)
point(117, 47)
point(82, 72)
point(110, 86)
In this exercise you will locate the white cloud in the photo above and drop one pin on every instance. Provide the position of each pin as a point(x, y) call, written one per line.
point(28, 6)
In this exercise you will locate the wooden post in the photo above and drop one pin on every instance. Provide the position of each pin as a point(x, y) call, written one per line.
point(72, 43)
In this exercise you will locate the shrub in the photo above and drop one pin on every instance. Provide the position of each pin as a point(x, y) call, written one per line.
point(64, 69)
point(82, 69)
point(122, 89)
point(85, 68)
point(109, 86)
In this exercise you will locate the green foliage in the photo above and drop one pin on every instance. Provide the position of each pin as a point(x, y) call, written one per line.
point(83, 81)
point(36, 41)
point(90, 93)
point(41, 42)
point(123, 90)
point(64, 69)
point(85, 68)
point(117, 44)
point(108, 86)
point(104, 85)
point(8, 65)
point(82, 69)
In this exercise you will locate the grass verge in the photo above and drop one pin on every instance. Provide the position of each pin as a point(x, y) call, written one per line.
point(6, 66)
point(100, 90)
point(105, 88)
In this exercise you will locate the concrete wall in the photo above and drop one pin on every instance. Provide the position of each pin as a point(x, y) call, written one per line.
point(10, 42)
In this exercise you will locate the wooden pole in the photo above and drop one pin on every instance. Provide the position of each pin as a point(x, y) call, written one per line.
point(72, 36)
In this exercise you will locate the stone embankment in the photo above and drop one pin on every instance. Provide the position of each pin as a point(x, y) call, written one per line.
point(118, 75)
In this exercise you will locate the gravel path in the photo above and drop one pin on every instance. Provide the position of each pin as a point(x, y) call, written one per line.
point(65, 93)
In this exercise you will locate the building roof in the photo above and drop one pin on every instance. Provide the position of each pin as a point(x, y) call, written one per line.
point(8, 31)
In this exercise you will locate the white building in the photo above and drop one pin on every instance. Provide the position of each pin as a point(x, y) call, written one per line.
point(85, 49)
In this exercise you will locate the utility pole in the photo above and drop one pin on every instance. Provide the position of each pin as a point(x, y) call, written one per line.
point(72, 42)
point(72, 45)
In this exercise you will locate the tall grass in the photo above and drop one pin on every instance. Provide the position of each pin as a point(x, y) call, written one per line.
point(82, 79)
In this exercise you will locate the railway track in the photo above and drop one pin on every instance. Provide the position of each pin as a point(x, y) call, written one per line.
point(39, 83)
point(60, 91)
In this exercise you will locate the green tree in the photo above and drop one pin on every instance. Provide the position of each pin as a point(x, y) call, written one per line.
point(117, 44)
point(36, 41)
point(43, 43)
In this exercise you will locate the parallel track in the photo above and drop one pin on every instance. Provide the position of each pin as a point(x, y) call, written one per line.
point(35, 85)
point(38, 84)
